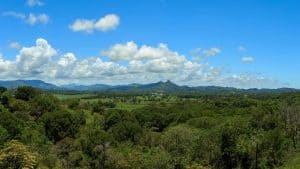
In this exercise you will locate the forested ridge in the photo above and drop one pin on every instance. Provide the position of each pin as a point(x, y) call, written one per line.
point(49, 130)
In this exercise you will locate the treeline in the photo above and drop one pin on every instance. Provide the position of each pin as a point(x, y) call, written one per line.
point(37, 130)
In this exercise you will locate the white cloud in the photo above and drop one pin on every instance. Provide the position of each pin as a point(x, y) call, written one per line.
point(83, 25)
point(197, 59)
point(204, 53)
point(39, 18)
point(104, 24)
point(5, 66)
point(121, 51)
point(247, 59)
point(211, 52)
point(33, 59)
point(247, 80)
point(130, 51)
point(32, 3)
point(108, 22)
point(67, 60)
point(156, 59)
point(14, 14)
point(196, 52)
point(15, 45)
point(31, 19)
point(143, 64)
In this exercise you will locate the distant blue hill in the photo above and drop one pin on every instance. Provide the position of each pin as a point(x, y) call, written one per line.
point(34, 83)
point(161, 87)
point(95, 87)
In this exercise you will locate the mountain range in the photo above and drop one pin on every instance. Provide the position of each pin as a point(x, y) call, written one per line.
point(164, 87)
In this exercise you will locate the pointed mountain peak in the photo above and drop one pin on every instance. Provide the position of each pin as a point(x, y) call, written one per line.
point(169, 82)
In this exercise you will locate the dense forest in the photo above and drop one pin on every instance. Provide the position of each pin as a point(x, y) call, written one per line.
point(48, 130)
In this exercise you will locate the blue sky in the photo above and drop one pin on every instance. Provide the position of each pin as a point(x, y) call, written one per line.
point(249, 43)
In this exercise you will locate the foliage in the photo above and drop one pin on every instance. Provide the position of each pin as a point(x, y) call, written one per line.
point(16, 155)
point(26, 93)
point(60, 124)
point(148, 131)
point(44, 103)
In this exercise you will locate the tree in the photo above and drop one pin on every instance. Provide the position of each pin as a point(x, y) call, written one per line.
point(206, 147)
point(98, 107)
point(26, 93)
point(73, 103)
point(33, 135)
point(95, 142)
point(60, 124)
point(65, 149)
point(126, 130)
point(10, 122)
point(16, 105)
point(112, 119)
point(100, 156)
point(152, 118)
point(277, 145)
point(291, 115)
point(156, 158)
point(4, 98)
point(90, 137)
point(16, 155)
point(230, 133)
point(44, 103)
point(3, 135)
point(180, 141)
point(127, 156)
point(2, 89)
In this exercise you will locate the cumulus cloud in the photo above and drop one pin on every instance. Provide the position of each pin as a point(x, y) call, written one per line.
point(31, 19)
point(143, 64)
point(247, 59)
point(32, 3)
point(104, 24)
point(14, 45)
point(5, 67)
point(33, 59)
point(108, 22)
point(83, 25)
point(131, 51)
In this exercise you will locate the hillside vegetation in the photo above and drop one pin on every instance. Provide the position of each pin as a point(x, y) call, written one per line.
point(148, 130)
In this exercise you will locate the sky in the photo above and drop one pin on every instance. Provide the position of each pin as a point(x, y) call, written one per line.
point(237, 43)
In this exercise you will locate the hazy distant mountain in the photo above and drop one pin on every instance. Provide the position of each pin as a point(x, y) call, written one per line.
point(33, 83)
point(163, 87)
point(167, 86)
point(95, 87)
